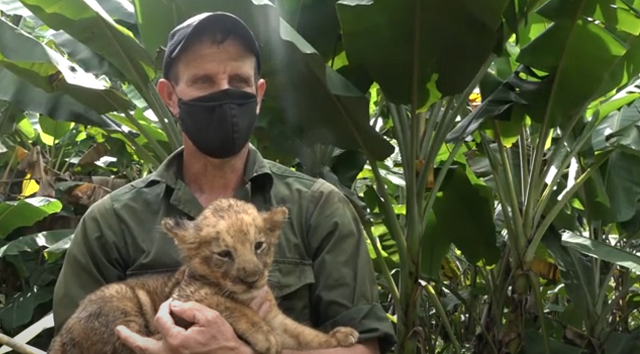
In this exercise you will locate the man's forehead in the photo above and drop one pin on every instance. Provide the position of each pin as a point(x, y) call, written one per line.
point(207, 59)
point(209, 47)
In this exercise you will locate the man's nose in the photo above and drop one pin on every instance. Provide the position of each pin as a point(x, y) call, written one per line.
point(222, 82)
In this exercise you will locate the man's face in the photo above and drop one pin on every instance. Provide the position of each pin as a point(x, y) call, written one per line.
point(207, 68)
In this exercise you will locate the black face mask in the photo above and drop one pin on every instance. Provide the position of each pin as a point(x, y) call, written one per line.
point(219, 124)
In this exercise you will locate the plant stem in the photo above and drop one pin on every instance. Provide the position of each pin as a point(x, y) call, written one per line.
point(533, 283)
point(520, 236)
point(524, 160)
point(414, 221)
point(599, 326)
point(443, 316)
point(586, 135)
point(400, 131)
point(380, 259)
point(533, 195)
point(594, 234)
point(601, 293)
point(434, 116)
point(560, 204)
point(5, 174)
point(438, 182)
point(502, 197)
point(389, 214)
point(59, 158)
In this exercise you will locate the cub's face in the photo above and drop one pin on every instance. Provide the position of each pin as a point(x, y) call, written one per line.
point(230, 244)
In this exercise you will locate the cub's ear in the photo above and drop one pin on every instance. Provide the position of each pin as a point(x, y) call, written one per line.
point(274, 219)
point(178, 228)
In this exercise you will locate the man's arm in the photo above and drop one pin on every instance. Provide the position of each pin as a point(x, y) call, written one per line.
point(345, 292)
point(91, 261)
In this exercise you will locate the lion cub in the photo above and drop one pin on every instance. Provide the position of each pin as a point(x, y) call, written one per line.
point(227, 252)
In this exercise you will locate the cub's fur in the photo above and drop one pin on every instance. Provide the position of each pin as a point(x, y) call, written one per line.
point(227, 253)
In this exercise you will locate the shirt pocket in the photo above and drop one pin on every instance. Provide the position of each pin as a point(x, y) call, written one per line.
point(291, 282)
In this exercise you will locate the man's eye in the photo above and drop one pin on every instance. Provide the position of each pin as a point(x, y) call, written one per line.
point(201, 80)
point(239, 81)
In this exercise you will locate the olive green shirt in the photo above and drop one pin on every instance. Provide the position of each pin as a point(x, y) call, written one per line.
point(322, 274)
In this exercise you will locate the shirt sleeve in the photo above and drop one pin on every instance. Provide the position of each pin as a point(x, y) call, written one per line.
point(91, 261)
point(345, 291)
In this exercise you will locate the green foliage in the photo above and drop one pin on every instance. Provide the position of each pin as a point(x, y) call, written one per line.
point(26, 212)
point(403, 60)
point(462, 200)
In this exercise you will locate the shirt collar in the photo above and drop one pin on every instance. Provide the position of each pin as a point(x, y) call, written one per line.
point(256, 171)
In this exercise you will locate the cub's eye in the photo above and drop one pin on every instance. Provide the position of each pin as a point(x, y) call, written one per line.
point(260, 246)
point(226, 254)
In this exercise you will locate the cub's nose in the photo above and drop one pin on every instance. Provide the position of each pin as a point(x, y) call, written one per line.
point(250, 278)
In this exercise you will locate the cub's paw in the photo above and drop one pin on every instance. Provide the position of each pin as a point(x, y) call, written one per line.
point(345, 336)
point(267, 344)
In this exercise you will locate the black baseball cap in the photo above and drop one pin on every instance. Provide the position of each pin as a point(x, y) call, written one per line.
point(198, 26)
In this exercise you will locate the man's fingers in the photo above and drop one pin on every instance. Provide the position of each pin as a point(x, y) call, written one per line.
point(258, 301)
point(139, 344)
point(194, 312)
point(255, 303)
point(264, 309)
point(262, 294)
point(164, 322)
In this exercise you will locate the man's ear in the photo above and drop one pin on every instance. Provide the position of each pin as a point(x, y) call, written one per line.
point(274, 220)
point(261, 86)
point(168, 95)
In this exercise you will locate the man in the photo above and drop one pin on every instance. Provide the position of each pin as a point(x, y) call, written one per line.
point(322, 274)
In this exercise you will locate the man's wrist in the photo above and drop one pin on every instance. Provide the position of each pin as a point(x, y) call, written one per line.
point(244, 349)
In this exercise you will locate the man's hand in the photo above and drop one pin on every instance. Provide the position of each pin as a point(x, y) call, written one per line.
point(259, 303)
point(210, 333)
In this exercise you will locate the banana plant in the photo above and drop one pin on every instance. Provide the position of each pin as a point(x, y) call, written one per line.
point(424, 84)
point(534, 127)
point(424, 102)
